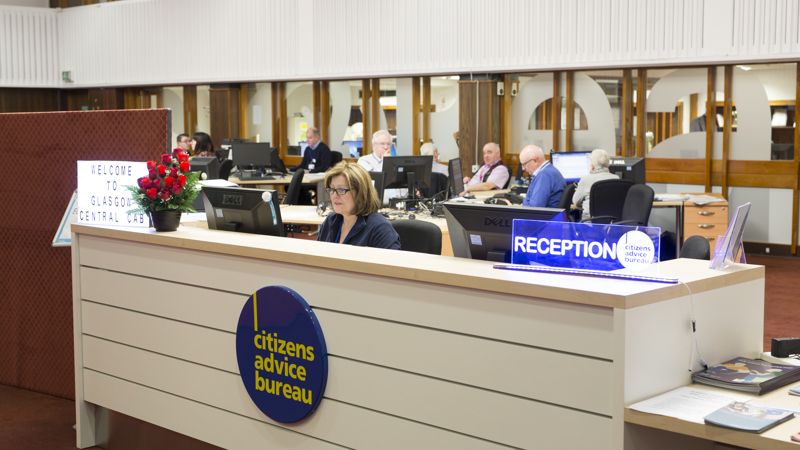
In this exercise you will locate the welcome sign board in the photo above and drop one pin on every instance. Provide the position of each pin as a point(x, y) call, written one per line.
point(102, 196)
point(584, 245)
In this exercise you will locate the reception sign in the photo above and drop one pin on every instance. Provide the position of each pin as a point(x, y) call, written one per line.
point(102, 196)
point(584, 245)
point(283, 360)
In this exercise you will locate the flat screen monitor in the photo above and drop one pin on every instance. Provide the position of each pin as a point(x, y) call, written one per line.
point(377, 183)
point(251, 154)
point(242, 210)
point(455, 177)
point(572, 165)
point(303, 147)
point(276, 162)
point(208, 165)
point(222, 154)
point(355, 148)
point(628, 168)
point(481, 231)
point(398, 170)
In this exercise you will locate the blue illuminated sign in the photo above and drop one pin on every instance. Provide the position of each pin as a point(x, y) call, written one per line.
point(283, 360)
point(584, 245)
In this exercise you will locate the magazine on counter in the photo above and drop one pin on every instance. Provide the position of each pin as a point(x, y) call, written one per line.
point(751, 418)
point(753, 376)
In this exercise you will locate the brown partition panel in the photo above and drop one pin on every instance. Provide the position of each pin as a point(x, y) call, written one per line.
point(40, 151)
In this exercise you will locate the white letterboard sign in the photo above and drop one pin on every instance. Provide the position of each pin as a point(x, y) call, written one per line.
point(102, 196)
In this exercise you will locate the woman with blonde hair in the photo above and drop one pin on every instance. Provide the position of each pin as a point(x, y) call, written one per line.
point(355, 202)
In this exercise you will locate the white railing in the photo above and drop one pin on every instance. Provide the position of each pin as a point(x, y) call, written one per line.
point(28, 47)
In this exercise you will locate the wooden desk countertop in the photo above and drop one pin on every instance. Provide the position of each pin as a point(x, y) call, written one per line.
point(437, 269)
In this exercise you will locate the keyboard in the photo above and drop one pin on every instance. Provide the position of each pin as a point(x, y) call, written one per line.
point(592, 273)
point(257, 178)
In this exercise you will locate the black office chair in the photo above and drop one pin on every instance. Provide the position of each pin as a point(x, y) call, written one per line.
point(696, 247)
point(606, 200)
point(225, 169)
point(438, 185)
point(638, 203)
point(292, 195)
point(565, 202)
point(336, 158)
point(418, 236)
point(505, 186)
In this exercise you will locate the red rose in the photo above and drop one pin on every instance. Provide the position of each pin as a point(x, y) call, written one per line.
point(152, 193)
point(165, 194)
point(169, 181)
point(145, 183)
point(162, 170)
point(151, 165)
point(153, 174)
point(166, 158)
point(177, 188)
point(182, 180)
point(177, 151)
point(173, 172)
point(183, 158)
point(140, 180)
point(185, 166)
point(156, 184)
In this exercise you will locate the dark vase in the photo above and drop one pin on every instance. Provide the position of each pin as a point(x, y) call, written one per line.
point(167, 220)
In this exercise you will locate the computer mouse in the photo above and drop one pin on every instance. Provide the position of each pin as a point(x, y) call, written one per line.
point(470, 196)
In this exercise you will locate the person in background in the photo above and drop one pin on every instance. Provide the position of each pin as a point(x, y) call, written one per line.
point(202, 145)
point(547, 185)
point(429, 148)
point(492, 175)
point(318, 155)
point(185, 143)
point(381, 146)
point(598, 170)
point(355, 204)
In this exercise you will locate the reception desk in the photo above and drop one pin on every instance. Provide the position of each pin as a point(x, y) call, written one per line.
point(424, 351)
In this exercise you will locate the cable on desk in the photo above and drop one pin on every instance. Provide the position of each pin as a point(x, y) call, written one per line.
point(694, 334)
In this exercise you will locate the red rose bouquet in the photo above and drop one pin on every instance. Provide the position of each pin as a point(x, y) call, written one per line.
point(169, 185)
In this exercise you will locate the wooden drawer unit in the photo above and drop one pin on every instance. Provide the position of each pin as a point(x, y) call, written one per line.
point(708, 221)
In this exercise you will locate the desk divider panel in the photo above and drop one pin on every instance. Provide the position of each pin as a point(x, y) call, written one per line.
point(41, 151)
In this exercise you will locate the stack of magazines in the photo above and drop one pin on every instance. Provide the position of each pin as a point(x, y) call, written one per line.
point(753, 376)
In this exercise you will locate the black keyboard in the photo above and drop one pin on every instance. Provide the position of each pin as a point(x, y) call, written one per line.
point(256, 178)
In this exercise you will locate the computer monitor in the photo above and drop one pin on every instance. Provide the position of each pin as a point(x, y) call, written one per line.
point(355, 148)
point(277, 163)
point(303, 146)
point(377, 182)
point(481, 231)
point(254, 155)
point(407, 171)
point(242, 210)
point(208, 165)
point(222, 154)
point(572, 165)
point(628, 168)
point(455, 178)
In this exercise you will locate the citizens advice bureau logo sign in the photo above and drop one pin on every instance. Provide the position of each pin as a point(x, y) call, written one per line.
point(280, 348)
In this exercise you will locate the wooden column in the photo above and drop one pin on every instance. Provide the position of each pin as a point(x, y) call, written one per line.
point(641, 112)
point(316, 104)
point(376, 104)
point(160, 97)
point(711, 122)
point(478, 120)
point(626, 124)
point(415, 109)
point(555, 113)
point(570, 99)
point(189, 109)
point(224, 105)
point(426, 109)
point(505, 116)
point(796, 184)
point(325, 114)
point(692, 107)
point(365, 117)
point(727, 127)
point(244, 92)
point(275, 111)
point(283, 148)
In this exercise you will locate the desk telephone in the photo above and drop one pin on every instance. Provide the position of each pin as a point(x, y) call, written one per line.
point(514, 199)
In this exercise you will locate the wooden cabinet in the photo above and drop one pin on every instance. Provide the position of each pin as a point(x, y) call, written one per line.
point(709, 220)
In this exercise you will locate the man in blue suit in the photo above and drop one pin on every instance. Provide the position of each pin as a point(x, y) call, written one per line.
point(548, 184)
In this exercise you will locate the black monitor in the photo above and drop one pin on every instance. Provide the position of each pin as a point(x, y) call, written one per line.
point(572, 165)
point(255, 155)
point(455, 178)
point(209, 165)
point(481, 231)
point(243, 210)
point(402, 171)
point(377, 182)
point(276, 162)
point(222, 154)
point(627, 168)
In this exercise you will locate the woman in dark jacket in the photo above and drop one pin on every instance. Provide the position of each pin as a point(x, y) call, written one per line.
point(355, 204)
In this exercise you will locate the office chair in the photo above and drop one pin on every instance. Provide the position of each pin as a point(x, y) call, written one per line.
point(696, 247)
point(438, 184)
point(225, 169)
point(336, 158)
point(637, 206)
point(565, 202)
point(505, 186)
point(418, 236)
point(606, 200)
point(292, 195)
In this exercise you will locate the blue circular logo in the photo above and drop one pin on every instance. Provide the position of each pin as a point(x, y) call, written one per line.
point(281, 352)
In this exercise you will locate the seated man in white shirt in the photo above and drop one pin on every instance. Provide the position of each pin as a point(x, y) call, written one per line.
point(492, 175)
point(381, 146)
point(429, 148)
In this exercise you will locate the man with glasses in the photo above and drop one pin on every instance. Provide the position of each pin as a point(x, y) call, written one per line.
point(185, 143)
point(547, 185)
point(381, 146)
point(492, 175)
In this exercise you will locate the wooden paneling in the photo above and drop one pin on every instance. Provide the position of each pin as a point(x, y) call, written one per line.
point(316, 104)
point(765, 174)
point(415, 107)
point(479, 120)
point(189, 109)
point(693, 100)
point(275, 108)
point(224, 105)
point(555, 113)
point(244, 90)
point(570, 99)
point(727, 127)
point(283, 143)
point(366, 117)
point(426, 109)
point(641, 112)
point(505, 121)
point(711, 123)
point(626, 125)
point(14, 100)
point(375, 107)
point(325, 105)
point(796, 183)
